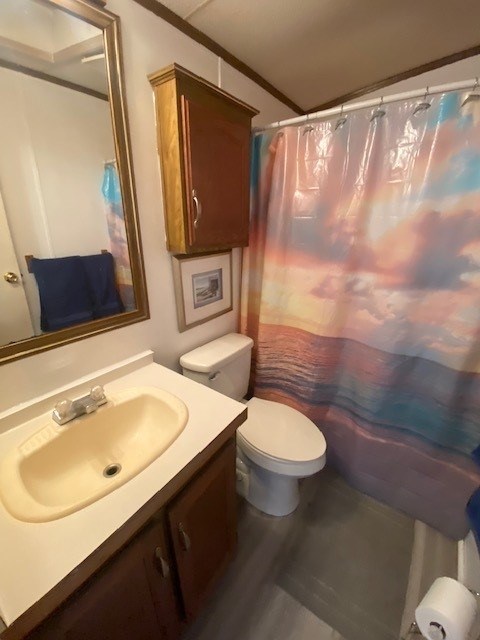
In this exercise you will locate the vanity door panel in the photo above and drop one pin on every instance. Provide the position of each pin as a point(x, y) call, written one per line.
point(202, 523)
point(131, 598)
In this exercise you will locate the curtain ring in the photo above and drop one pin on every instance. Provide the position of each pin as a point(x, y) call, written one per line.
point(425, 104)
point(308, 127)
point(341, 120)
point(474, 95)
point(379, 111)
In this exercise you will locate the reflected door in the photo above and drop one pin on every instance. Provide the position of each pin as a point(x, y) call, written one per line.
point(16, 324)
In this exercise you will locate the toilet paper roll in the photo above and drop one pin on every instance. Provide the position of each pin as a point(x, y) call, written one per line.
point(447, 611)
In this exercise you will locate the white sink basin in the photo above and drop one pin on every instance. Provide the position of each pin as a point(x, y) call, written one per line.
point(59, 470)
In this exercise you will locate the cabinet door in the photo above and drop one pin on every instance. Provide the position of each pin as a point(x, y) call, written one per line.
point(131, 598)
point(202, 522)
point(217, 153)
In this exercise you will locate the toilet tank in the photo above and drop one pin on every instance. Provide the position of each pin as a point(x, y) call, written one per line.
point(223, 364)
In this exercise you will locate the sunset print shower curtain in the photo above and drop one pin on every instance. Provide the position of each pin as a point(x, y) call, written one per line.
point(361, 289)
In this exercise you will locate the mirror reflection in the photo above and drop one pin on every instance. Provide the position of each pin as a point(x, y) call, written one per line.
point(63, 245)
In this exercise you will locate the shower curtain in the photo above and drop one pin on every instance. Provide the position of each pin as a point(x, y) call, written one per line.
point(361, 289)
point(118, 235)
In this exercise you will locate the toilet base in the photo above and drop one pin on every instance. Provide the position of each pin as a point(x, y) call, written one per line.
point(272, 493)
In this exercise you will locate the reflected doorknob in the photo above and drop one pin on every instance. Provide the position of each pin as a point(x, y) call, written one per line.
point(11, 277)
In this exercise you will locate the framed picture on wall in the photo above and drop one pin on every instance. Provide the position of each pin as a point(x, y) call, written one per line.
point(203, 287)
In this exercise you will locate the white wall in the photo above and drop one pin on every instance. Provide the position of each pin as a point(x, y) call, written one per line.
point(149, 44)
point(54, 144)
point(462, 70)
point(469, 564)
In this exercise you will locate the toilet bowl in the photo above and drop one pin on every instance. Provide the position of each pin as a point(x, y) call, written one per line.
point(277, 445)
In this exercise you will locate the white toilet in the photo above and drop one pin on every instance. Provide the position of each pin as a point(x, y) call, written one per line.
point(277, 445)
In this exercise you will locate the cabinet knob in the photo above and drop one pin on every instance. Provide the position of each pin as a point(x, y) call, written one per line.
point(162, 563)
point(185, 539)
point(198, 208)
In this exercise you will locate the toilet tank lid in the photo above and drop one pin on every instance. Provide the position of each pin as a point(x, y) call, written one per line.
point(214, 355)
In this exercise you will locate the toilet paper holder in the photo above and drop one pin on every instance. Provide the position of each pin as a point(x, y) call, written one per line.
point(414, 629)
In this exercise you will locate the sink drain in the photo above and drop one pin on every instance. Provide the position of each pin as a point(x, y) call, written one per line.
point(112, 470)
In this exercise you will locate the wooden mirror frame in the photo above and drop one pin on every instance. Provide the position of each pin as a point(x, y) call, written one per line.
point(93, 13)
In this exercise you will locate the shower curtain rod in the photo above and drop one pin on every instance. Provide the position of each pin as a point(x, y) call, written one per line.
point(373, 102)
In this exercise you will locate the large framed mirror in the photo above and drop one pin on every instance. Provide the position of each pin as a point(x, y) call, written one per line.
point(71, 263)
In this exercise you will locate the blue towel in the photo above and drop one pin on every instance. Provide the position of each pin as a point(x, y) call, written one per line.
point(476, 455)
point(65, 297)
point(100, 272)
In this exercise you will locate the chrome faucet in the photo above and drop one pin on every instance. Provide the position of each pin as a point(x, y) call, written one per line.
point(67, 410)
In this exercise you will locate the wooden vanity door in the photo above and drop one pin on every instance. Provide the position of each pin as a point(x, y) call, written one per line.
point(132, 598)
point(161, 575)
point(216, 152)
point(202, 523)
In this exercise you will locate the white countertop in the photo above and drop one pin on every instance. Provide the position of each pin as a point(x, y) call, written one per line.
point(34, 557)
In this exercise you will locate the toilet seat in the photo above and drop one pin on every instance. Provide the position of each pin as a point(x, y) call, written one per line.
point(281, 439)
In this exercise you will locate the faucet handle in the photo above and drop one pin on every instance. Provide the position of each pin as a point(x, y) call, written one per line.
point(97, 393)
point(63, 408)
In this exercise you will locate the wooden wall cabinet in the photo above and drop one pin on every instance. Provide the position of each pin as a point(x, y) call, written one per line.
point(204, 147)
point(156, 584)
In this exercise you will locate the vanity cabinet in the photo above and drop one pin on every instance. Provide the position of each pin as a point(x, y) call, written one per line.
point(202, 523)
point(132, 597)
point(204, 148)
point(158, 582)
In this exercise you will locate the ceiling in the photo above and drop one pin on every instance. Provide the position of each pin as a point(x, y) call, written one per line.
point(315, 51)
point(39, 38)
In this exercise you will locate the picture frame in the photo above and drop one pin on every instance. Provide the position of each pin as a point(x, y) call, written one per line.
point(203, 287)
